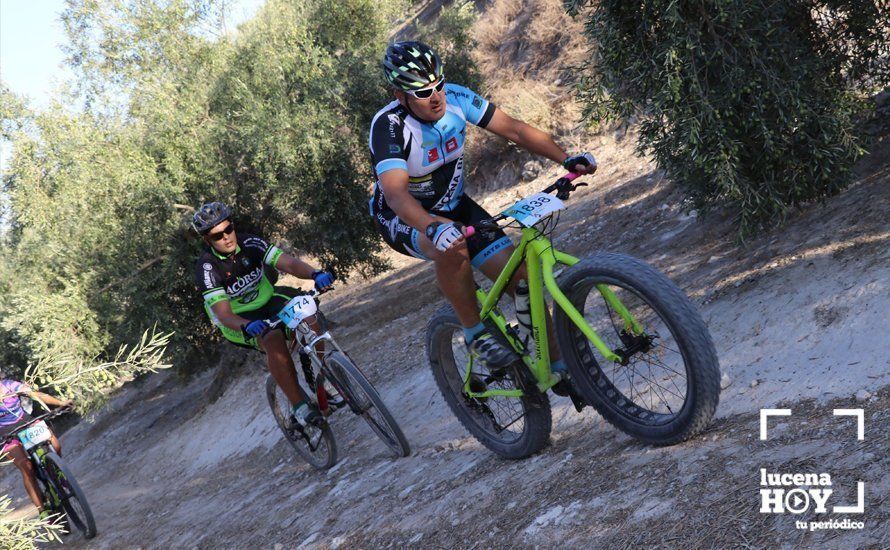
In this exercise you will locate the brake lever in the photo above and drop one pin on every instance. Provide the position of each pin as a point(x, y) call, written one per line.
point(566, 189)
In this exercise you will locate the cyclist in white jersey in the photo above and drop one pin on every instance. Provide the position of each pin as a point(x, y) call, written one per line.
point(419, 205)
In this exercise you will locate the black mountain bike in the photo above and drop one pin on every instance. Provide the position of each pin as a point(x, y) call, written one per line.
point(333, 381)
point(62, 494)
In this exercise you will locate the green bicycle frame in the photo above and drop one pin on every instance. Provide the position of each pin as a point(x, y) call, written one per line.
point(540, 259)
point(38, 454)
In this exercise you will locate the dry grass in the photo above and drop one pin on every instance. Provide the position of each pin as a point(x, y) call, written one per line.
point(533, 39)
point(527, 49)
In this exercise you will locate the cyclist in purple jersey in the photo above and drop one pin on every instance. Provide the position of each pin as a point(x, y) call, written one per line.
point(419, 205)
point(12, 417)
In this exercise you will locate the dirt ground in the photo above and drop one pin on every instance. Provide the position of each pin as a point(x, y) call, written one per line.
point(798, 317)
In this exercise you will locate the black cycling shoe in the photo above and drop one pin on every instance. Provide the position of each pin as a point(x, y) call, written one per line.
point(562, 388)
point(491, 352)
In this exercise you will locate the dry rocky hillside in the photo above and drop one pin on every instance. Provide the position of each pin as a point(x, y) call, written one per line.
point(796, 315)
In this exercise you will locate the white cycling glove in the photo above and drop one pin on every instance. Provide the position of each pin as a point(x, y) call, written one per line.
point(443, 235)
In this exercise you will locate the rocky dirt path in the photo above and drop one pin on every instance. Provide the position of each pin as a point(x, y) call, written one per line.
point(798, 317)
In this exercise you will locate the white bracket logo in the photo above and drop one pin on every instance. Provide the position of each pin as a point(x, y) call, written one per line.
point(776, 498)
point(766, 413)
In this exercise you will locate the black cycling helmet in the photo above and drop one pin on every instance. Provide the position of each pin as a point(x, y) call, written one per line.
point(411, 65)
point(209, 216)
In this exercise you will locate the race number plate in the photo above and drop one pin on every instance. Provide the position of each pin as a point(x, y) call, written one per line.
point(35, 435)
point(293, 313)
point(534, 208)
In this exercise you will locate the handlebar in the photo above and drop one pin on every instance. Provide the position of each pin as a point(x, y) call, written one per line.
point(274, 322)
point(563, 187)
point(45, 416)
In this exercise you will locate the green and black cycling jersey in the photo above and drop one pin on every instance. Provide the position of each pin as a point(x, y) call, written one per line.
point(240, 278)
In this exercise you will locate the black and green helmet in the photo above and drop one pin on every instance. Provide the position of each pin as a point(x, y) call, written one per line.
point(411, 65)
point(209, 216)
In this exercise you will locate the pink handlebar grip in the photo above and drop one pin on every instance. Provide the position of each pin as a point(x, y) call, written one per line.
point(470, 230)
point(571, 176)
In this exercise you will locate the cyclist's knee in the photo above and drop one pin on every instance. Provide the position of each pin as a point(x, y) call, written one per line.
point(273, 341)
point(455, 257)
point(20, 459)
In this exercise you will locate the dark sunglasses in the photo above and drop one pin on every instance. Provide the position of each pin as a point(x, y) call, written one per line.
point(217, 236)
point(426, 93)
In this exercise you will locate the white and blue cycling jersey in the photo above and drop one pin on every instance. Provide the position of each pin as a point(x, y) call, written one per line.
point(431, 153)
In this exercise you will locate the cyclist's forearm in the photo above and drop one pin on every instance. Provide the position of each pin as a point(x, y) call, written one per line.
point(294, 266)
point(537, 141)
point(233, 321)
point(409, 210)
point(46, 398)
point(228, 318)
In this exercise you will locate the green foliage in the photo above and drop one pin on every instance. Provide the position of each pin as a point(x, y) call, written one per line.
point(88, 382)
point(87, 209)
point(25, 534)
point(748, 104)
point(294, 156)
point(272, 119)
point(178, 110)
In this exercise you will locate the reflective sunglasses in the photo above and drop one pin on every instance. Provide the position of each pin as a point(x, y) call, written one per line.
point(217, 236)
point(427, 93)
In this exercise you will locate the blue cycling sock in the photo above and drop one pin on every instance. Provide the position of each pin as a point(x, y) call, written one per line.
point(470, 333)
point(559, 366)
point(294, 409)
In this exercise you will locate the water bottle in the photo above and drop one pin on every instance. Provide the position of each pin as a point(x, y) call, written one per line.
point(523, 309)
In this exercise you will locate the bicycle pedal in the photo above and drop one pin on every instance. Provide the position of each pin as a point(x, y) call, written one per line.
point(578, 401)
point(563, 388)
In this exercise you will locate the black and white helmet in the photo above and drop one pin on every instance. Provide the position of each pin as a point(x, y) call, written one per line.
point(411, 65)
point(209, 216)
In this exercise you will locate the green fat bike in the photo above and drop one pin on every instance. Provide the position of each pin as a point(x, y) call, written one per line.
point(635, 347)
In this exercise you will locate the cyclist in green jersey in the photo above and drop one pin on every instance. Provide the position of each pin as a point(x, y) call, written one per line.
point(239, 297)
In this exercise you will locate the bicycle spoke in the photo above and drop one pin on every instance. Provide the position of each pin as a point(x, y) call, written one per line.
point(671, 378)
point(662, 365)
point(653, 384)
point(674, 382)
point(668, 348)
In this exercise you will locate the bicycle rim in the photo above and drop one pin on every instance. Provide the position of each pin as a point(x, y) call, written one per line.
point(655, 377)
point(324, 454)
point(364, 400)
point(73, 499)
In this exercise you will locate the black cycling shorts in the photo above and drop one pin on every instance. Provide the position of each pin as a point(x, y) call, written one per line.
point(403, 238)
